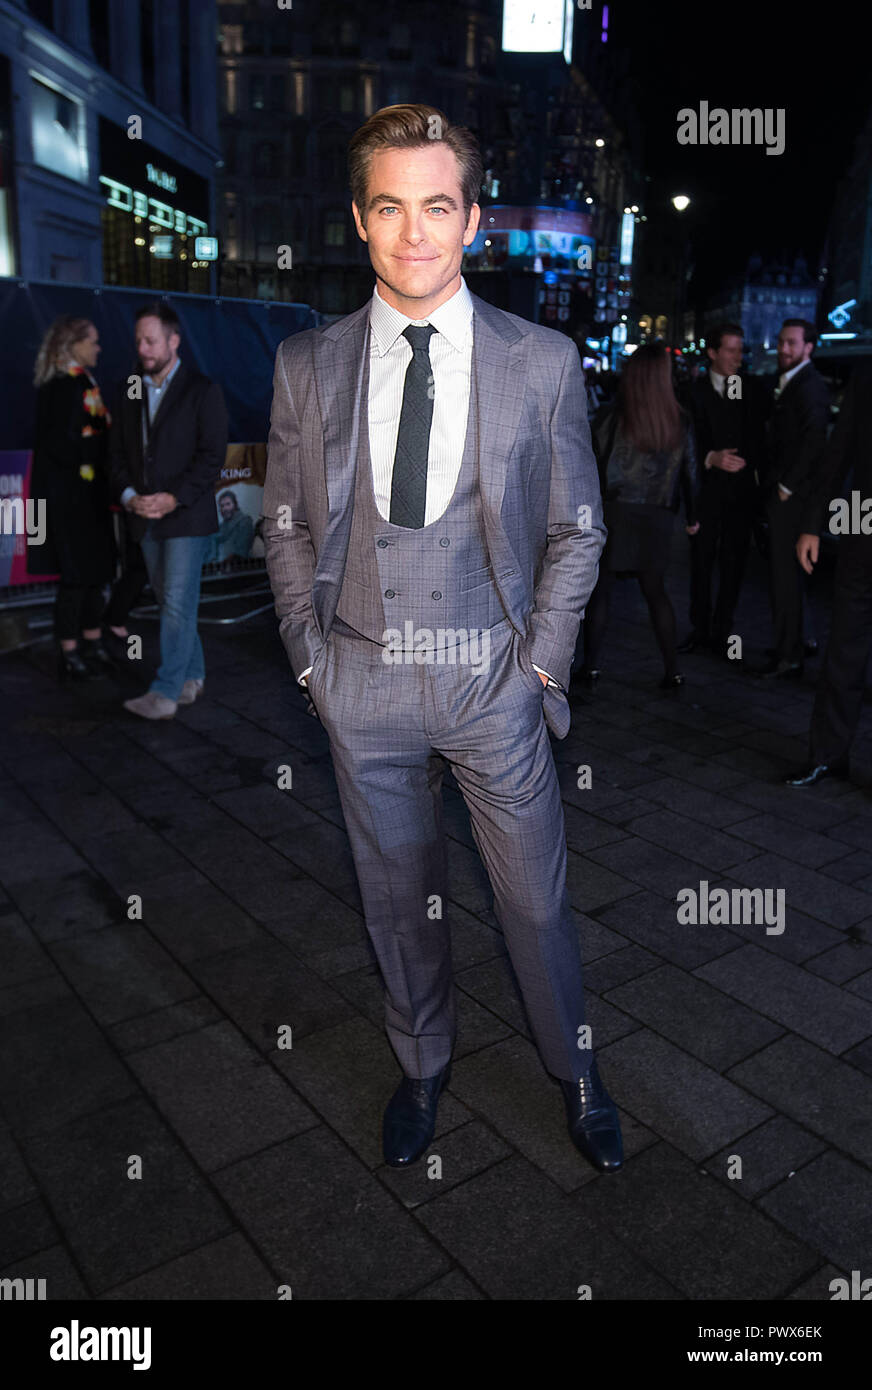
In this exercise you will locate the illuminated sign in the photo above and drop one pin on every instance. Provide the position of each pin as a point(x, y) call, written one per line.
point(161, 178)
point(627, 230)
point(162, 248)
point(206, 248)
point(538, 26)
point(841, 314)
point(127, 199)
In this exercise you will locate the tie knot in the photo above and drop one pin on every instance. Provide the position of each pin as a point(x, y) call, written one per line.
point(419, 336)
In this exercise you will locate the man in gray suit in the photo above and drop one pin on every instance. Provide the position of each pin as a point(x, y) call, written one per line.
point(433, 527)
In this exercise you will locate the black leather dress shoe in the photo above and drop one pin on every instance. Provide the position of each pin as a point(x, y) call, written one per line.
point(592, 1116)
point(693, 643)
point(671, 682)
point(98, 657)
point(781, 670)
point(807, 776)
point(410, 1117)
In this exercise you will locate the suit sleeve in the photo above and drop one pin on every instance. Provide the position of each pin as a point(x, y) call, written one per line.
point(838, 459)
point(690, 476)
point(813, 413)
point(290, 554)
point(576, 532)
point(210, 448)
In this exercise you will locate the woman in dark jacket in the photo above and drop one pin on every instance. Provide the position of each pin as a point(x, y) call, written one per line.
point(646, 455)
point(69, 475)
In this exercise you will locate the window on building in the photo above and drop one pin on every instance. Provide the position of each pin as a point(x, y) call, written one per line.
point(347, 97)
point(256, 97)
point(43, 10)
point(98, 14)
point(400, 42)
point(231, 91)
point(146, 46)
point(267, 224)
point(335, 227)
point(57, 130)
point(231, 38)
point(349, 37)
point(277, 91)
point(299, 137)
point(299, 94)
point(265, 160)
point(398, 91)
point(331, 156)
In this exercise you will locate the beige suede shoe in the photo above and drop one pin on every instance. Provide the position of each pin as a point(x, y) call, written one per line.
point(190, 690)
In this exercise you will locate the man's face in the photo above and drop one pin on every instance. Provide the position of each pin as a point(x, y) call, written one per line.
point(156, 347)
point(414, 227)
point(792, 349)
point(228, 507)
point(726, 360)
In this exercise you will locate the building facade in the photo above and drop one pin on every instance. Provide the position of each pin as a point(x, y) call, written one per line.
point(762, 298)
point(109, 142)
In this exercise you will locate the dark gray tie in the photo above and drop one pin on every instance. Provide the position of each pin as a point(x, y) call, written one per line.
point(409, 479)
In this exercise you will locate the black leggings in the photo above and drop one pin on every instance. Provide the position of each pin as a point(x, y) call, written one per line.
point(660, 611)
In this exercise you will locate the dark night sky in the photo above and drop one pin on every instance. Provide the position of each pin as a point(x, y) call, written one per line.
point(813, 60)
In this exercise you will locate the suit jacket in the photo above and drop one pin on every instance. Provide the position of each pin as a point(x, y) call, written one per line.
point(849, 450)
point(797, 435)
point(536, 470)
point(185, 453)
point(744, 421)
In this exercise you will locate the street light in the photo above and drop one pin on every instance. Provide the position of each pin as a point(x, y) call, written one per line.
point(680, 202)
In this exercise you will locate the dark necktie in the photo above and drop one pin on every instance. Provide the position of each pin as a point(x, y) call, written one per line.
point(409, 479)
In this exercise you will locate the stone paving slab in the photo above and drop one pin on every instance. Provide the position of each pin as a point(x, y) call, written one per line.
point(262, 1166)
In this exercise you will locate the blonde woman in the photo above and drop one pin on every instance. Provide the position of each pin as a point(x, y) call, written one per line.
point(69, 475)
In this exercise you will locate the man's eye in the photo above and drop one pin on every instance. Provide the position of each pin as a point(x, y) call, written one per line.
point(437, 209)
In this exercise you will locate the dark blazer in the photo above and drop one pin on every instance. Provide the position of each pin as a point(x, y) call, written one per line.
point(738, 423)
point(849, 451)
point(79, 543)
point(185, 453)
point(797, 434)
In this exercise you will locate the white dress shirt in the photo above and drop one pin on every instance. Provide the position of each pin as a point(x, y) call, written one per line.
point(451, 361)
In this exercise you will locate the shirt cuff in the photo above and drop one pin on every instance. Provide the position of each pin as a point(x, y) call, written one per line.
point(709, 456)
point(785, 489)
point(127, 494)
point(301, 678)
point(551, 680)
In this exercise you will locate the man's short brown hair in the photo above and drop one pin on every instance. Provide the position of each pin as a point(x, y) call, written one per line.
point(408, 127)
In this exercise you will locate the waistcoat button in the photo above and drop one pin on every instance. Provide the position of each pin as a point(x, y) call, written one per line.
point(437, 593)
point(444, 541)
point(389, 593)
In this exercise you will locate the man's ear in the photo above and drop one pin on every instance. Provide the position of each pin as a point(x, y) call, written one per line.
point(358, 221)
point(174, 347)
point(472, 224)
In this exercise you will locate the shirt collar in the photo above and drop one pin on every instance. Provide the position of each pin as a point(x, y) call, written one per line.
point(787, 376)
point(717, 381)
point(167, 379)
point(453, 320)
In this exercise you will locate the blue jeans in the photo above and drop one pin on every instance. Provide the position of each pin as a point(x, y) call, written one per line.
point(174, 568)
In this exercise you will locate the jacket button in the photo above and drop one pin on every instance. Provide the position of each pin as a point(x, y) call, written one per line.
point(389, 593)
point(382, 545)
point(444, 541)
point(437, 593)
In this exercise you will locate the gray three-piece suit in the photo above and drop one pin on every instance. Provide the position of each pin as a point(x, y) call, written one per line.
point(512, 556)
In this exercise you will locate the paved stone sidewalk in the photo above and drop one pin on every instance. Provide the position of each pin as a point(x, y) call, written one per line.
point(155, 1038)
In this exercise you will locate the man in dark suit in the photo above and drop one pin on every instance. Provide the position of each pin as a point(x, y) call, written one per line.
point(728, 417)
point(166, 449)
point(796, 444)
point(840, 691)
point(430, 479)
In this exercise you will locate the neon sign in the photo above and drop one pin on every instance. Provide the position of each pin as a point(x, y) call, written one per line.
point(126, 199)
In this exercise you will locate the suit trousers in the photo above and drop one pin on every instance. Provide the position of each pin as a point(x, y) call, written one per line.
point(839, 697)
point(724, 538)
point(785, 577)
point(392, 728)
